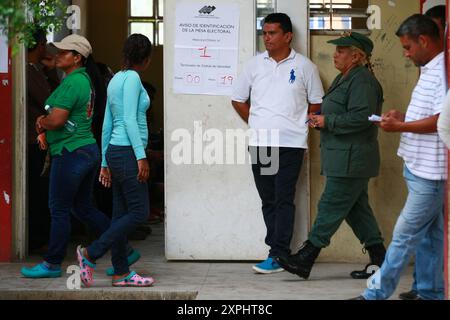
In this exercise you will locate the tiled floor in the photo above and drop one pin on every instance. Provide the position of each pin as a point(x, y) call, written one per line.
point(192, 280)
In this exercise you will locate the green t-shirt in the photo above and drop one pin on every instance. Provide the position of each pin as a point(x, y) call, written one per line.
point(73, 94)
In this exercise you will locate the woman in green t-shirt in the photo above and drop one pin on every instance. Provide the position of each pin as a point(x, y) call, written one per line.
point(75, 154)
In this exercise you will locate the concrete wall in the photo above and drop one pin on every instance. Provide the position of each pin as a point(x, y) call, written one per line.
point(398, 77)
point(212, 212)
point(19, 194)
point(202, 222)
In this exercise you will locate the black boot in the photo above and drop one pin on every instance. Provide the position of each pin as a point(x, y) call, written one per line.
point(300, 263)
point(376, 253)
point(410, 295)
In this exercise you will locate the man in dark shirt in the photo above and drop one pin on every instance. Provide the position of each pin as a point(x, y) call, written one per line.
point(39, 88)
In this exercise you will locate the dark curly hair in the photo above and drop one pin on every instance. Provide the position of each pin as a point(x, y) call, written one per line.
point(136, 49)
point(39, 37)
point(281, 18)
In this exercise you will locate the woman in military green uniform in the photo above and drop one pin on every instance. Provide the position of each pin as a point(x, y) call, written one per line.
point(350, 157)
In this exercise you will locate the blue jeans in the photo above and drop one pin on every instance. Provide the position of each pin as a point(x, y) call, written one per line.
point(419, 230)
point(425, 273)
point(72, 178)
point(130, 207)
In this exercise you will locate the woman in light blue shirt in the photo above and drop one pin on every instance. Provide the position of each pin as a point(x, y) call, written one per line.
point(124, 165)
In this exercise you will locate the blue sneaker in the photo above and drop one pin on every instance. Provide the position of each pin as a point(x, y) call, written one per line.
point(41, 271)
point(268, 266)
point(132, 259)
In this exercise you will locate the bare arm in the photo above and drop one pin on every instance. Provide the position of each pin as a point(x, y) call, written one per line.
point(314, 108)
point(428, 125)
point(394, 114)
point(55, 120)
point(243, 109)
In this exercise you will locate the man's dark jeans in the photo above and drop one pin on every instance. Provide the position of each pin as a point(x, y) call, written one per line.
point(38, 212)
point(130, 207)
point(277, 192)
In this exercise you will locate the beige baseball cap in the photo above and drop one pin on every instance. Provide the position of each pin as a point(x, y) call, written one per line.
point(75, 42)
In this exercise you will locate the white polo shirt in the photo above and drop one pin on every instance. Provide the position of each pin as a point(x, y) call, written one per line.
point(425, 154)
point(279, 97)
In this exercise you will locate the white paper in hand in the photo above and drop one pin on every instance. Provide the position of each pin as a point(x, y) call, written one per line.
point(375, 118)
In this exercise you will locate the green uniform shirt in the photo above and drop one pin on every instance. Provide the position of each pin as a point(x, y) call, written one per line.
point(349, 144)
point(74, 95)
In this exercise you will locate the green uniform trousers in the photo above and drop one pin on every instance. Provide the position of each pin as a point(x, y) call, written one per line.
point(345, 199)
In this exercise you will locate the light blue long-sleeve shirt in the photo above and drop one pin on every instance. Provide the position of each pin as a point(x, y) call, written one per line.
point(125, 122)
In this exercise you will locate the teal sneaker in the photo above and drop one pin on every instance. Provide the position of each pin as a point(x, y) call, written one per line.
point(268, 266)
point(132, 259)
point(41, 271)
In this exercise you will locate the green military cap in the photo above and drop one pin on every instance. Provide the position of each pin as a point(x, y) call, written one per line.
point(356, 39)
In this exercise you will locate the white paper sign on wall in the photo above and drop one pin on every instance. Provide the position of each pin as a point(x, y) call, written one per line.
point(206, 48)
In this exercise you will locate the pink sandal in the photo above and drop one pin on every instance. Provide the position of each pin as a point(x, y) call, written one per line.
point(133, 280)
point(86, 268)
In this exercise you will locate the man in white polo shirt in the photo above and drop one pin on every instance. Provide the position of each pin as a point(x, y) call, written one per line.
point(420, 227)
point(274, 94)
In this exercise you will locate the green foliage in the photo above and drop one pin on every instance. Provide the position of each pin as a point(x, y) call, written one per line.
point(19, 19)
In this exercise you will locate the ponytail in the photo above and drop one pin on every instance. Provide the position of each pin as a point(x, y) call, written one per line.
point(369, 65)
point(97, 82)
point(99, 91)
point(365, 60)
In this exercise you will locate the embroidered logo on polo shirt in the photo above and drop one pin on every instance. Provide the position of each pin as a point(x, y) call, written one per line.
point(293, 77)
